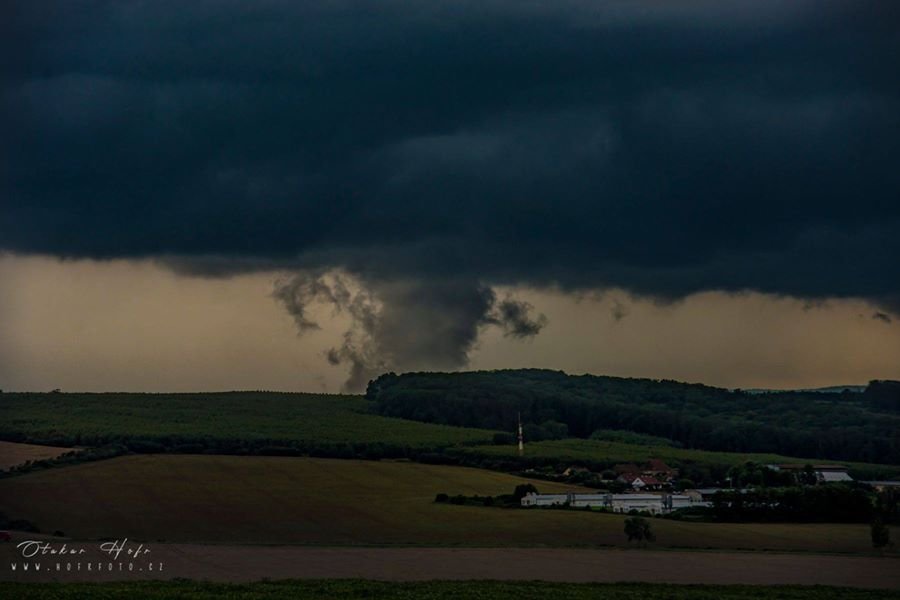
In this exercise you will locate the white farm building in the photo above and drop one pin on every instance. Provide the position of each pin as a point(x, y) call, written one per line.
point(621, 503)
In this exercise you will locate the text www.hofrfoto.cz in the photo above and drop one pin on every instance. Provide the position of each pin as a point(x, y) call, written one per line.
point(60, 557)
point(86, 567)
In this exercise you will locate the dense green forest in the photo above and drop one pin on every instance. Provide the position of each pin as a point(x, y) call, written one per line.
point(843, 426)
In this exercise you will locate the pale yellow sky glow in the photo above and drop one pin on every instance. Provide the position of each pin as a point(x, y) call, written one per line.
point(136, 326)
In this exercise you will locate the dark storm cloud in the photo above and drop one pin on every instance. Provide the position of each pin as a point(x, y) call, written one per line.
point(514, 317)
point(665, 148)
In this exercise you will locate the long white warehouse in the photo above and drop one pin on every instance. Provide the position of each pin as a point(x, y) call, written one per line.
point(652, 503)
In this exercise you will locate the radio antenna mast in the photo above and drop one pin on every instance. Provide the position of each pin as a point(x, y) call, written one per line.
point(521, 437)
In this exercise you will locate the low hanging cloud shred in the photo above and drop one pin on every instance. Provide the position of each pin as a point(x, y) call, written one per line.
point(404, 326)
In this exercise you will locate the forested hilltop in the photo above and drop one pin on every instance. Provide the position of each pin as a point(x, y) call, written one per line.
point(847, 426)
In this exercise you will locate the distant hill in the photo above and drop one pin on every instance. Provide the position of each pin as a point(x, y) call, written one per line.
point(818, 424)
point(833, 389)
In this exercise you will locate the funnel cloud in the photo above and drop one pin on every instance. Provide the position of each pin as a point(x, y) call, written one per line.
point(404, 325)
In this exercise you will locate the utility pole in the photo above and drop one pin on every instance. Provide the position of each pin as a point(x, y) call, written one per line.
point(521, 437)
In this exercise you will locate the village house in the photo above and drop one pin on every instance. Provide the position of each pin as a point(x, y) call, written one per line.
point(654, 475)
point(702, 496)
point(831, 473)
point(641, 482)
point(823, 473)
point(576, 470)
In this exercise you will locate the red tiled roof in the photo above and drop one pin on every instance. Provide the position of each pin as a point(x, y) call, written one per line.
point(645, 479)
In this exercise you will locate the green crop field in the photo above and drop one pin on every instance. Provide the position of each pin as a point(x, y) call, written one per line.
point(316, 424)
point(250, 499)
point(252, 417)
point(430, 590)
point(619, 452)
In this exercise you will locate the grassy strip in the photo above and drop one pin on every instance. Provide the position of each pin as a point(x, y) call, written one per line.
point(430, 590)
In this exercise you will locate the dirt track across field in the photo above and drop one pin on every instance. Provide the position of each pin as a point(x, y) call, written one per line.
point(249, 563)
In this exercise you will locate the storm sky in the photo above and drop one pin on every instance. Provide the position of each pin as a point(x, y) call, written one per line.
point(301, 195)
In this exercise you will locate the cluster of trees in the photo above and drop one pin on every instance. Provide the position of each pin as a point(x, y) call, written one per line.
point(638, 529)
point(846, 426)
point(884, 395)
point(887, 505)
point(475, 500)
point(249, 447)
point(836, 503)
point(503, 500)
point(548, 430)
point(886, 511)
point(759, 475)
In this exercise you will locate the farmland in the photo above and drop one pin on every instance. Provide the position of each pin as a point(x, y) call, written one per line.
point(287, 500)
point(233, 421)
point(12, 454)
point(340, 426)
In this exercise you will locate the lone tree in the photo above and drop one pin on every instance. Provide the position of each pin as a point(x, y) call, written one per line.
point(524, 489)
point(807, 476)
point(881, 535)
point(637, 528)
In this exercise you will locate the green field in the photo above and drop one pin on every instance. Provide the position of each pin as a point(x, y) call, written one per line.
point(272, 500)
point(431, 590)
point(314, 424)
point(602, 451)
point(242, 417)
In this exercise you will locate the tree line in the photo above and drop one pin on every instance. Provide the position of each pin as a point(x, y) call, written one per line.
point(843, 426)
